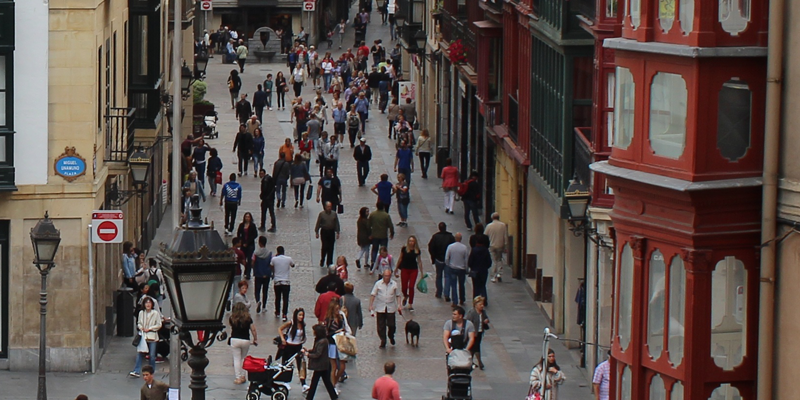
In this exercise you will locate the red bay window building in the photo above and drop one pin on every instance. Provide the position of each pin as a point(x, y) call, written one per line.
point(685, 169)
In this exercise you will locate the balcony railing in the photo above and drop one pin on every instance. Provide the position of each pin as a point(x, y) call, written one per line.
point(120, 132)
point(547, 160)
point(587, 8)
point(454, 29)
point(583, 155)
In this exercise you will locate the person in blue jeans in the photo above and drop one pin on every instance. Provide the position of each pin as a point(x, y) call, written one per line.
point(472, 199)
point(362, 108)
point(403, 199)
point(232, 198)
point(456, 260)
point(148, 322)
point(404, 162)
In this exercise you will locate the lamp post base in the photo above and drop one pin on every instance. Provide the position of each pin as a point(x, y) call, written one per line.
point(198, 362)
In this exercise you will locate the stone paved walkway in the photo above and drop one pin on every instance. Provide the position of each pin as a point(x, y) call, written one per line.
point(509, 350)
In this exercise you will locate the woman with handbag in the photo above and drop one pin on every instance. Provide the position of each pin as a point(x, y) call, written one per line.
point(555, 377)
point(305, 146)
point(214, 171)
point(291, 337)
point(299, 175)
point(477, 315)
point(241, 327)
point(336, 322)
point(282, 88)
point(149, 322)
point(318, 362)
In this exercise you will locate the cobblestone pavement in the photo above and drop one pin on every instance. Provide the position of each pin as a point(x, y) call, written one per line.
point(509, 350)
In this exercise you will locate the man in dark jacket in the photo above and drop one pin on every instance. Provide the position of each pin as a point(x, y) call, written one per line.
point(437, 248)
point(280, 172)
point(259, 102)
point(362, 154)
point(243, 109)
point(244, 143)
point(479, 262)
point(471, 199)
point(267, 199)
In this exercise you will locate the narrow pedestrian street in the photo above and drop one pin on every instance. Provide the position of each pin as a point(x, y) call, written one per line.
point(510, 348)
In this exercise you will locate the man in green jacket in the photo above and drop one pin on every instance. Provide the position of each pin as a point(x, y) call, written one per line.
point(382, 228)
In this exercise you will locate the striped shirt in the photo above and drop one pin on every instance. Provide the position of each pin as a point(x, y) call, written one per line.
point(602, 375)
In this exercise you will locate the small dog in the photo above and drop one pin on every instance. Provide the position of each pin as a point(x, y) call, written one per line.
point(413, 329)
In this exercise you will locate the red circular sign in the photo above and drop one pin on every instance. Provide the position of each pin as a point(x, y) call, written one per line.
point(107, 231)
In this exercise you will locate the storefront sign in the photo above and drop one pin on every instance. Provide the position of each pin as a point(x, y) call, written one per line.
point(408, 90)
point(69, 165)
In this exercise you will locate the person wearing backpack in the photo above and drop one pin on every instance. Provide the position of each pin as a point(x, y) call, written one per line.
point(470, 192)
point(262, 271)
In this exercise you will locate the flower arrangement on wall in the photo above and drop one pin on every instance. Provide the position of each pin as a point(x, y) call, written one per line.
point(458, 53)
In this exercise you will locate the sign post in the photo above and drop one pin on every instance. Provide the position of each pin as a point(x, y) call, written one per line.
point(107, 226)
point(206, 5)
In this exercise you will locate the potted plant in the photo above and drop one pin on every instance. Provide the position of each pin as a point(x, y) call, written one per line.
point(200, 107)
point(458, 53)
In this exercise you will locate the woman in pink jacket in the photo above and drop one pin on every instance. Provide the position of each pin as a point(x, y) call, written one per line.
point(449, 184)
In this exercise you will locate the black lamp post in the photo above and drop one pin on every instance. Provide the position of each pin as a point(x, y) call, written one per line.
point(140, 166)
point(198, 269)
point(200, 64)
point(45, 238)
point(186, 81)
point(577, 196)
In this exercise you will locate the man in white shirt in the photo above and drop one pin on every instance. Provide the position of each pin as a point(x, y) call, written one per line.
point(332, 154)
point(282, 268)
point(455, 261)
point(498, 236)
point(384, 300)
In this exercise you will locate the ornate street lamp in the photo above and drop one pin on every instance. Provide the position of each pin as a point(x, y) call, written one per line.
point(45, 239)
point(186, 81)
point(577, 196)
point(200, 64)
point(421, 40)
point(140, 166)
point(198, 269)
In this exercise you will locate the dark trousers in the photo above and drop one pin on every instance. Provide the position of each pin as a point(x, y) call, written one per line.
point(328, 238)
point(424, 163)
point(231, 207)
point(338, 128)
point(456, 277)
point(386, 320)
point(299, 193)
point(298, 86)
point(241, 62)
point(363, 116)
point(479, 285)
point(281, 99)
point(244, 162)
point(363, 171)
point(326, 380)
point(376, 246)
point(262, 289)
point(248, 265)
point(441, 278)
point(259, 112)
point(322, 163)
point(352, 134)
point(282, 293)
point(268, 205)
point(471, 206)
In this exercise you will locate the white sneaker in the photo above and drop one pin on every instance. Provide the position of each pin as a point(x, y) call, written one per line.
point(305, 388)
point(336, 389)
point(494, 279)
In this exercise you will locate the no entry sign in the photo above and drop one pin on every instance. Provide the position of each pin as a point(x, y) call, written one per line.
point(107, 226)
point(309, 5)
point(206, 5)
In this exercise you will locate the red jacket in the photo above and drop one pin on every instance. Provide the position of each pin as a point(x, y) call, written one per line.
point(241, 259)
point(450, 177)
point(321, 308)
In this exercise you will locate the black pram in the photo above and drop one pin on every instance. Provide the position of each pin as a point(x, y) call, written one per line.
point(459, 378)
point(271, 379)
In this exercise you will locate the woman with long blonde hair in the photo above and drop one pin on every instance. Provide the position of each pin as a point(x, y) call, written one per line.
point(409, 267)
point(241, 327)
point(335, 322)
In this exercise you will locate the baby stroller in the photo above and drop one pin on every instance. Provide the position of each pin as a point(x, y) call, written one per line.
point(459, 378)
point(210, 125)
point(267, 378)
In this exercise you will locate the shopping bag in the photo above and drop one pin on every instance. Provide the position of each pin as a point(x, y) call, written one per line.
point(340, 209)
point(346, 343)
point(218, 178)
point(422, 285)
point(142, 346)
point(235, 160)
point(136, 339)
point(310, 192)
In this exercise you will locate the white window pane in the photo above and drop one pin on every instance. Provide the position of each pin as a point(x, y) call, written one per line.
point(611, 8)
point(611, 86)
point(677, 310)
point(734, 15)
point(666, 14)
point(686, 16)
point(625, 384)
point(624, 108)
point(729, 313)
point(668, 97)
point(636, 13)
point(2, 72)
point(677, 392)
point(657, 390)
point(655, 305)
point(3, 149)
point(625, 296)
point(3, 109)
point(609, 116)
point(725, 392)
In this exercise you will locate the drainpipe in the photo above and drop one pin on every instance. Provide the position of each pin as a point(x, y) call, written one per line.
point(769, 205)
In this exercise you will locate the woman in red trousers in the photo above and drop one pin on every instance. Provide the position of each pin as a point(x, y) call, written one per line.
point(409, 267)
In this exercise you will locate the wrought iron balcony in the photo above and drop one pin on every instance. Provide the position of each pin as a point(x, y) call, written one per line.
point(587, 8)
point(513, 119)
point(120, 133)
point(547, 160)
point(583, 155)
point(454, 29)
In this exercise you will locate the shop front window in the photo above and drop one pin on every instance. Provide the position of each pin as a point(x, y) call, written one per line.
point(729, 313)
point(725, 392)
point(625, 296)
point(668, 97)
point(657, 391)
point(624, 108)
point(734, 15)
point(655, 305)
point(677, 310)
point(733, 119)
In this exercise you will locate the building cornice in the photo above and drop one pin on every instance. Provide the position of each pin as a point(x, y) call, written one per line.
point(682, 50)
point(678, 185)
